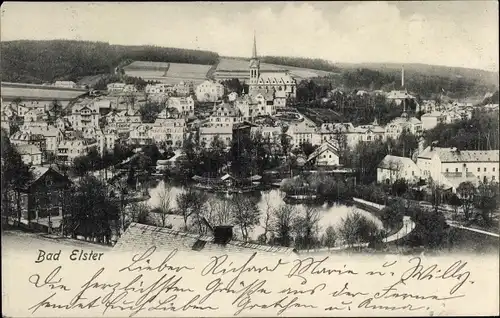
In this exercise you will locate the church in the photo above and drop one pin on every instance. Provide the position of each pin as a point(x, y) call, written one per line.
point(278, 82)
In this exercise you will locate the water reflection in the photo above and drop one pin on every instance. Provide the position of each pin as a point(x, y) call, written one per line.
point(331, 213)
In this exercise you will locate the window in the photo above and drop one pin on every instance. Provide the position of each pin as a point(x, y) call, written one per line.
point(447, 170)
point(456, 169)
point(485, 169)
point(413, 173)
point(478, 169)
point(493, 169)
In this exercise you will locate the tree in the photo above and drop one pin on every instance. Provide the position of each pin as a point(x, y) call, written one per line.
point(92, 212)
point(138, 212)
point(149, 111)
point(285, 141)
point(306, 228)
point(487, 200)
point(282, 223)
point(307, 148)
point(245, 214)
point(164, 207)
point(218, 211)
point(15, 175)
point(357, 228)
point(268, 209)
point(437, 192)
point(455, 202)
point(189, 203)
point(399, 187)
point(466, 192)
point(330, 237)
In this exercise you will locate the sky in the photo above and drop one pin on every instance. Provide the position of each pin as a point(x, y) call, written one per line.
point(452, 33)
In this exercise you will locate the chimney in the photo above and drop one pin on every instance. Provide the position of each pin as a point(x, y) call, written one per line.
point(223, 234)
point(402, 77)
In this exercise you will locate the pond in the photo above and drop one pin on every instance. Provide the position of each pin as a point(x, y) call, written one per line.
point(331, 214)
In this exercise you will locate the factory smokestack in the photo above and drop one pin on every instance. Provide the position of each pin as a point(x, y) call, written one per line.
point(402, 76)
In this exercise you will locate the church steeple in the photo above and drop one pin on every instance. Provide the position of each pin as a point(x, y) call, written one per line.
point(254, 52)
point(254, 63)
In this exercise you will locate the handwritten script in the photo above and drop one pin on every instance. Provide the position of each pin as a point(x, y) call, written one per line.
point(154, 282)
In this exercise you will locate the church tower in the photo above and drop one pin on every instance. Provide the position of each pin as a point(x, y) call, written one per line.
point(254, 64)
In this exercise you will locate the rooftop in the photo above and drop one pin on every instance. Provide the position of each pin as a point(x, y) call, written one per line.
point(395, 162)
point(454, 155)
point(140, 236)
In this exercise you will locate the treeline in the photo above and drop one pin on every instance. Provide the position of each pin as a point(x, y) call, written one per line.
point(48, 61)
point(478, 133)
point(316, 64)
point(420, 83)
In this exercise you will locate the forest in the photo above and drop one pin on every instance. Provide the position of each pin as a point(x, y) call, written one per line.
point(47, 61)
point(312, 63)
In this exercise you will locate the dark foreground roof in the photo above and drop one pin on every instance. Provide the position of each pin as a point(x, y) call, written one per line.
point(140, 237)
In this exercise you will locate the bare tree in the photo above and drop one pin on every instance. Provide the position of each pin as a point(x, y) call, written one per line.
point(330, 237)
point(466, 191)
point(306, 228)
point(267, 218)
point(282, 224)
point(218, 212)
point(189, 203)
point(138, 212)
point(164, 207)
point(437, 191)
point(245, 214)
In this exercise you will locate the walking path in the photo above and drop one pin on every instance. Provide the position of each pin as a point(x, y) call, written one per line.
point(457, 225)
point(406, 228)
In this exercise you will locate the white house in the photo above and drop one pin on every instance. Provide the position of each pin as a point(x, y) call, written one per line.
point(432, 119)
point(325, 155)
point(115, 87)
point(450, 166)
point(209, 91)
point(30, 154)
point(69, 149)
point(208, 134)
point(184, 105)
point(302, 132)
point(392, 168)
point(225, 115)
point(84, 116)
point(65, 84)
point(49, 133)
point(270, 133)
point(404, 123)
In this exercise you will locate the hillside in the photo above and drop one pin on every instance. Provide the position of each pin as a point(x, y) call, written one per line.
point(425, 80)
point(48, 61)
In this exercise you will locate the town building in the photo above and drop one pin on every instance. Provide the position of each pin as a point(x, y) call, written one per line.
point(300, 133)
point(65, 84)
point(30, 154)
point(69, 149)
point(159, 88)
point(170, 131)
point(44, 195)
point(184, 105)
point(84, 116)
point(432, 119)
point(50, 135)
point(209, 134)
point(115, 87)
point(271, 81)
point(326, 155)
point(392, 168)
point(448, 166)
point(140, 134)
point(365, 133)
point(225, 115)
point(270, 133)
point(209, 91)
point(404, 123)
point(184, 89)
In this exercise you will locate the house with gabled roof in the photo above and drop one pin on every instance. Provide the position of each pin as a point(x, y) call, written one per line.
point(392, 168)
point(325, 155)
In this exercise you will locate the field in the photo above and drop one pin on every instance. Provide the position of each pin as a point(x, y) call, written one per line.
point(170, 73)
point(231, 64)
point(321, 115)
point(37, 92)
